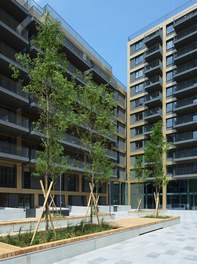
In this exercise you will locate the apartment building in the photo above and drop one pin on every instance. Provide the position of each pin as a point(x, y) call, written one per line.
point(19, 141)
point(162, 85)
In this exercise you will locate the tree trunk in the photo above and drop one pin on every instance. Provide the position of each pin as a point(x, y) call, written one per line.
point(156, 196)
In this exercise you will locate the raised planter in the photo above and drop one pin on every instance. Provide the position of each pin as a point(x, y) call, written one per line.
point(49, 253)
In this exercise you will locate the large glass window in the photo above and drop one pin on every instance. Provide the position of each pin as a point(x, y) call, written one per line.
point(138, 116)
point(7, 177)
point(139, 74)
point(169, 123)
point(139, 88)
point(169, 60)
point(169, 76)
point(139, 144)
point(169, 45)
point(139, 45)
point(169, 91)
point(138, 130)
point(169, 107)
point(169, 29)
point(139, 102)
point(139, 59)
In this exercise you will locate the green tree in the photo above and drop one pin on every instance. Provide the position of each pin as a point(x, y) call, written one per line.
point(96, 128)
point(140, 175)
point(54, 94)
point(156, 148)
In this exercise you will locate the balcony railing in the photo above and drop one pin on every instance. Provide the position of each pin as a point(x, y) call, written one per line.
point(186, 170)
point(189, 49)
point(153, 112)
point(153, 52)
point(153, 37)
point(11, 117)
point(12, 86)
point(184, 153)
point(153, 83)
point(186, 119)
point(185, 34)
point(186, 67)
point(7, 51)
point(153, 97)
point(186, 137)
point(186, 101)
point(185, 18)
point(12, 149)
point(13, 23)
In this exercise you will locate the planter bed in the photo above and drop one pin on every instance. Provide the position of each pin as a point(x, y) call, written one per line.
point(49, 253)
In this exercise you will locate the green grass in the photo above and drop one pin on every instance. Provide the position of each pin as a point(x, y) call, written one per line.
point(158, 217)
point(24, 239)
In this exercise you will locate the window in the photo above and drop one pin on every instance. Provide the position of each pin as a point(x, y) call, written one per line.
point(169, 123)
point(169, 76)
point(138, 116)
point(169, 91)
point(169, 44)
point(139, 88)
point(139, 45)
point(7, 177)
point(138, 130)
point(169, 29)
point(139, 59)
point(139, 144)
point(139, 102)
point(139, 74)
point(169, 107)
point(169, 60)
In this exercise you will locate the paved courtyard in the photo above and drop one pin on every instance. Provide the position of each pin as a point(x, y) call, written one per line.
point(177, 244)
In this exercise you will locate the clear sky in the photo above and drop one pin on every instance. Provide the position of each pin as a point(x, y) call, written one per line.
point(107, 24)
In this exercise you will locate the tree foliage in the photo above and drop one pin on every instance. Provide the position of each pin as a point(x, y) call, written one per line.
point(54, 95)
point(96, 110)
point(155, 148)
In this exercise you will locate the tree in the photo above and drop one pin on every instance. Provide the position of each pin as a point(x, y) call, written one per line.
point(155, 148)
point(54, 94)
point(96, 125)
point(140, 177)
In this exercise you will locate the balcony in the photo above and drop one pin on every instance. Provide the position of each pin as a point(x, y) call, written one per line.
point(9, 30)
point(101, 76)
point(11, 124)
point(73, 53)
point(186, 105)
point(186, 21)
point(153, 68)
point(72, 70)
point(7, 57)
point(189, 170)
point(153, 84)
point(148, 129)
point(186, 122)
point(11, 93)
point(10, 151)
point(153, 99)
point(186, 54)
point(153, 115)
point(186, 155)
point(186, 71)
point(185, 37)
point(187, 87)
point(153, 38)
point(153, 53)
point(186, 138)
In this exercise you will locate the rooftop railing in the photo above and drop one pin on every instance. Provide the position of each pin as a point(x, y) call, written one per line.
point(162, 19)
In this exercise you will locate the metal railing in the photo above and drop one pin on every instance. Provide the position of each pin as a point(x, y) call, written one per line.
point(12, 86)
point(186, 101)
point(185, 33)
point(154, 111)
point(186, 84)
point(187, 66)
point(185, 17)
point(11, 117)
point(185, 136)
point(185, 50)
point(163, 18)
point(186, 119)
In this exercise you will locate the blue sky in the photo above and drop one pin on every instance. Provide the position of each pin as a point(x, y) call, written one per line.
point(107, 24)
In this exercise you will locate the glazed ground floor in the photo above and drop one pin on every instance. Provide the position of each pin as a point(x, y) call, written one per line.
point(18, 188)
point(178, 194)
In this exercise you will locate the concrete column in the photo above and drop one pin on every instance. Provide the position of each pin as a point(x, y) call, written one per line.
point(19, 177)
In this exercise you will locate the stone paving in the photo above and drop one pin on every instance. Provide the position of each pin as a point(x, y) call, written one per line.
point(177, 244)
